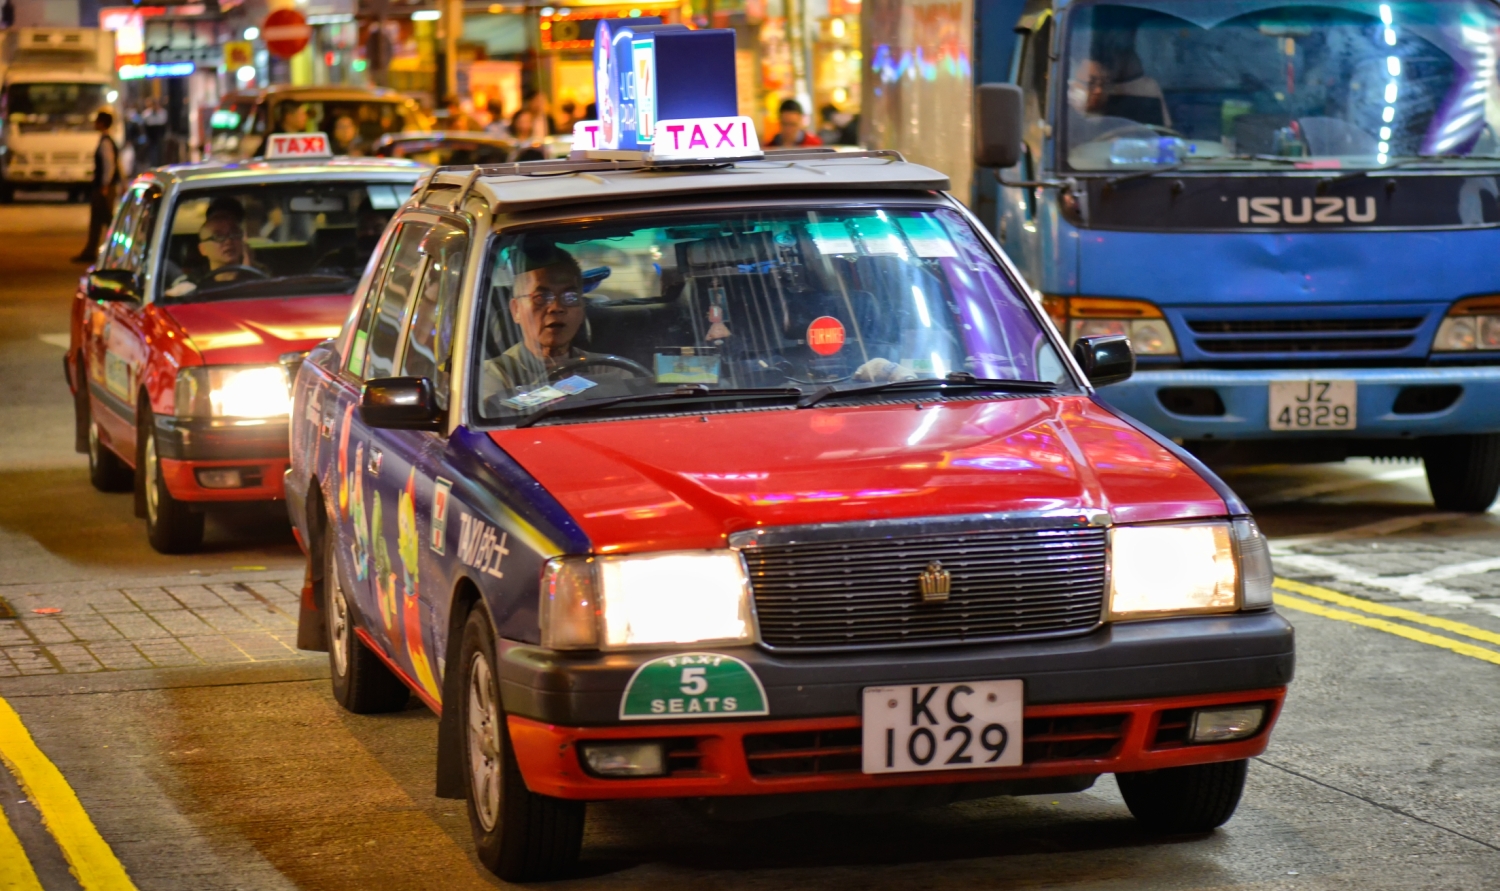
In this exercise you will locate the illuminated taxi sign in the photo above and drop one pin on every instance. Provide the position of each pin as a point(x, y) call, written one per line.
point(587, 136)
point(646, 74)
point(298, 145)
point(706, 139)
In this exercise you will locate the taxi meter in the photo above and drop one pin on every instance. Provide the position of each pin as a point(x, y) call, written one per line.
point(665, 91)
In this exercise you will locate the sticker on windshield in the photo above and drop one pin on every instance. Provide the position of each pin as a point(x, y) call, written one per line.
point(831, 238)
point(688, 365)
point(382, 197)
point(692, 685)
point(539, 396)
point(878, 236)
point(927, 238)
point(825, 336)
point(568, 386)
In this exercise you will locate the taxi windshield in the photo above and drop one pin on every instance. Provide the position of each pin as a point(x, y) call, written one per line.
point(352, 124)
point(281, 240)
point(1246, 83)
point(792, 305)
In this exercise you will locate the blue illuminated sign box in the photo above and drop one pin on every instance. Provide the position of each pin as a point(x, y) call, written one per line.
point(645, 72)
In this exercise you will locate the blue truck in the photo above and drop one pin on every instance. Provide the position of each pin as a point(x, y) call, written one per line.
point(1291, 207)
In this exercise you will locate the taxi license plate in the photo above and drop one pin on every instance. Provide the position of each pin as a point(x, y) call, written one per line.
point(920, 727)
point(1313, 405)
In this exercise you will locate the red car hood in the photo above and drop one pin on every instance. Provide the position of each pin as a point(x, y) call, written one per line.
point(678, 482)
point(259, 331)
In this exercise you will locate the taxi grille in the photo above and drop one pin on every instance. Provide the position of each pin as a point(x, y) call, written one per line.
point(1004, 585)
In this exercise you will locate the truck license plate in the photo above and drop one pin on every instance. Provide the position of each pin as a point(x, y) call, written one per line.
point(943, 726)
point(1313, 405)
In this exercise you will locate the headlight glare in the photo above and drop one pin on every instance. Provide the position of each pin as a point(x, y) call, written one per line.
point(1172, 570)
point(254, 391)
point(672, 597)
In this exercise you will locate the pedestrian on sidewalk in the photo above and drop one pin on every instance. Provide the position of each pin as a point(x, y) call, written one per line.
point(105, 187)
point(155, 123)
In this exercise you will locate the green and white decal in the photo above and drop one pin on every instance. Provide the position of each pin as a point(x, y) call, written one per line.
point(693, 685)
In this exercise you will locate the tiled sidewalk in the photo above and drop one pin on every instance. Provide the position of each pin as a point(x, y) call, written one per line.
point(218, 621)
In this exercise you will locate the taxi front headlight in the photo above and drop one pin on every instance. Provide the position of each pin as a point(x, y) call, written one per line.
point(671, 597)
point(248, 391)
point(1172, 570)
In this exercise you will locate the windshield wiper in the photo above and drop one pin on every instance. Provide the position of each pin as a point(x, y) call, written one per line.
point(956, 381)
point(1194, 159)
point(1411, 161)
point(686, 391)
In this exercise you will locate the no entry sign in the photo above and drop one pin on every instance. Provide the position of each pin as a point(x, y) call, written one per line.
point(286, 33)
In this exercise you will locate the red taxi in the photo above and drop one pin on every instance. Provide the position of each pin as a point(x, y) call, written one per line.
point(764, 485)
point(212, 284)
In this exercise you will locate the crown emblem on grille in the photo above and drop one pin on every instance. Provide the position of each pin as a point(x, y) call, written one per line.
point(934, 583)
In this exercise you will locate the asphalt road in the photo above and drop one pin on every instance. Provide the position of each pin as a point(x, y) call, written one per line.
point(206, 753)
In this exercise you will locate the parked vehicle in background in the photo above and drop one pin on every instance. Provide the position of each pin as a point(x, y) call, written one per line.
point(353, 117)
point(213, 283)
point(54, 81)
point(224, 123)
point(441, 148)
point(1291, 208)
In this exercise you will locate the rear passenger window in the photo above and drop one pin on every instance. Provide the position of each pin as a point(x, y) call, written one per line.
point(429, 343)
point(377, 340)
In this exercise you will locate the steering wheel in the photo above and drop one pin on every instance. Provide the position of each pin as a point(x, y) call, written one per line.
point(569, 367)
point(1119, 131)
point(213, 276)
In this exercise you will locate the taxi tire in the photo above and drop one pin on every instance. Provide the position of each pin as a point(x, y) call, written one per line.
point(534, 837)
point(367, 686)
point(1463, 472)
point(176, 528)
point(1181, 800)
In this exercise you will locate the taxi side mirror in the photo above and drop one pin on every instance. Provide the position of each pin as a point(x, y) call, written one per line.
point(997, 125)
point(1105, 358)
point(400, 403)
point(114, 286)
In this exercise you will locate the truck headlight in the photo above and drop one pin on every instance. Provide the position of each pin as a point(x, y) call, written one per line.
point(1139, 320)
point(223, 391)
point(1471, 324)
point(1172, 570)
point(671, 597)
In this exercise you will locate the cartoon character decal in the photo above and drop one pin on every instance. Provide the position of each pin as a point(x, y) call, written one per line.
point(360, 547)
point(343, 454)
point(385, 572)
point(408, 548)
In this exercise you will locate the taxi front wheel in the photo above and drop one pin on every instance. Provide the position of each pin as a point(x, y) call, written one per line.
point(362, 683)
point(1180, 800)
point(518, 835)
point(172, 526)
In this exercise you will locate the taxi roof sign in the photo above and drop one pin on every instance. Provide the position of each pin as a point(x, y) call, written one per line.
point(298, 145)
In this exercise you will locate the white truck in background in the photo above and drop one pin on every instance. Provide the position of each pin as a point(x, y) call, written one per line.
point(52, 82)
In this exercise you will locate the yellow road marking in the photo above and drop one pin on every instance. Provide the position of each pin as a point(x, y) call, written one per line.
point(92, 861)
point(1436, 640)
point(16, 873)
point(1393, 612)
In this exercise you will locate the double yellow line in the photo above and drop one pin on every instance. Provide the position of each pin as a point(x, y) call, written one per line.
point(89, 856)
point(1379, 615)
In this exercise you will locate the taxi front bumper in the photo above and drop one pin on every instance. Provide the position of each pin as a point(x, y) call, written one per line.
point(1134, 672)
point(205, 459)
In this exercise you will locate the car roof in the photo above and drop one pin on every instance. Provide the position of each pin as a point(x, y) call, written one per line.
point(428, 135)
point(530, 185)
point(209, 173)
point(375, 94)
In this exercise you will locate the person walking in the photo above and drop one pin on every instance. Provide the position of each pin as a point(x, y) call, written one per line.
point(105, 187)
point(155, 123)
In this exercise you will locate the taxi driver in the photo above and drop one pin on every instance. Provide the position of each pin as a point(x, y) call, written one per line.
point(221, 242)
point(547, 306)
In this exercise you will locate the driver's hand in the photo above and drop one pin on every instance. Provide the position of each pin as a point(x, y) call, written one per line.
point(880, 371)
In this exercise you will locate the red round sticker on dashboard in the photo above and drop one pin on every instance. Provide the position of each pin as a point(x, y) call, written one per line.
point(825, 335)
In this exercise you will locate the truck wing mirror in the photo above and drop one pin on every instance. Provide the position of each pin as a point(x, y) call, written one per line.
point(997, 125)
point(400, 403)
point(1105, 358)
point(114, 286)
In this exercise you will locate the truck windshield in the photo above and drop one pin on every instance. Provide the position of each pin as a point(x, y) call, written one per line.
point(44, 107)
point(1251, 83)
point(778, 305)
point(278, 240)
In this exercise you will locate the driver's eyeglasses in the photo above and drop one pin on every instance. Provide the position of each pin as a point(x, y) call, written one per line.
point(226, 238)
point(567, 299)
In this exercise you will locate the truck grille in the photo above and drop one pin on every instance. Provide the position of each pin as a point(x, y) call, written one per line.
point(1005, 584)
point(1220, 337)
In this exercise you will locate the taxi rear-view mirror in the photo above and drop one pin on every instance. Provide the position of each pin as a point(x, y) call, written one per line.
point(400, 403)
point(114, 285)
point(1105, 358)
point(997, 125)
